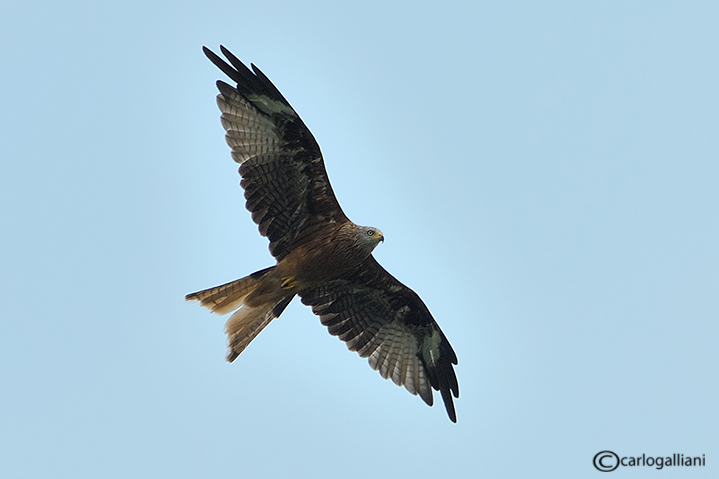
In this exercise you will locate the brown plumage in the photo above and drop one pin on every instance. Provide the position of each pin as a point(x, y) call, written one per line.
point(321, 255)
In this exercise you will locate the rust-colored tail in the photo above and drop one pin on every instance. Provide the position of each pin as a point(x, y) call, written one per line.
point(229, 296)
point(248, 321)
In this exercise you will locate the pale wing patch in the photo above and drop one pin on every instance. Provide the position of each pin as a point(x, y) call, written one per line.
point(270, 106)
point(390, 348)
point(248, 132)
point(394, 355)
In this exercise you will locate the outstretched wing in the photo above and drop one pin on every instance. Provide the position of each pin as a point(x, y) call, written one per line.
point(387, 322)
point(283, 174)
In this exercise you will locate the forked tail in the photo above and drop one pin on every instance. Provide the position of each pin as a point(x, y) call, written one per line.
point(248, 321)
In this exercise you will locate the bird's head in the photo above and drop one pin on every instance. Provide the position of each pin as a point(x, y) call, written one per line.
point(375, 234)
point(370, 237)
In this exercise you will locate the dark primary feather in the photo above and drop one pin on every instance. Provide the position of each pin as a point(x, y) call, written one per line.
point(385, 321)
point(283, 174)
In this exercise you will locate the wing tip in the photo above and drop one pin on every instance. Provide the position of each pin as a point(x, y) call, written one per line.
point(449, 405)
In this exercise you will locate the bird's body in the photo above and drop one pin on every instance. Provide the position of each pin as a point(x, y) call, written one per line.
point(328, 255)
point(321, 255)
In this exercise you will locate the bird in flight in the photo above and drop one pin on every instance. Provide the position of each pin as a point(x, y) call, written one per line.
point(321, 255)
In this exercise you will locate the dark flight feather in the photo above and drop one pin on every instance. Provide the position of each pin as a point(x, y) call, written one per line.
point(384, 320)
point(283, 174)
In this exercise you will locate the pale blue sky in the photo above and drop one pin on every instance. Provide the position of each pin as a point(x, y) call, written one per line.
point(546, 175)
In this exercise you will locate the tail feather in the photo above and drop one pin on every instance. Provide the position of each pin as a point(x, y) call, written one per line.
point(248, 322)
point(229, 296)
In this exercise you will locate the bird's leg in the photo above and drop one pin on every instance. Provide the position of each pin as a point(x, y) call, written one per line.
point(288, 282)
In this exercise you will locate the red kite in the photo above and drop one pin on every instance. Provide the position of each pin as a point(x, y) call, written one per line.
point(321, 255)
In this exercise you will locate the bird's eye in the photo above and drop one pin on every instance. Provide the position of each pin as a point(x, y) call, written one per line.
point(370, 233)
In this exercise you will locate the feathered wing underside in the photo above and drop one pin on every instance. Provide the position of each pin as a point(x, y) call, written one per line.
point(286, 185)
point(385, 321)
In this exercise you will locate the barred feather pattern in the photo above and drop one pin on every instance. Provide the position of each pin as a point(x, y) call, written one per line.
point(226, 297)
point(248, 132)
point(283, 174)
point(385, 321)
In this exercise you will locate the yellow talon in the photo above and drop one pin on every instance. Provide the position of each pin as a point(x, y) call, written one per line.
point(288, 282)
